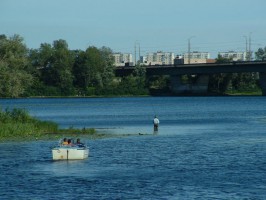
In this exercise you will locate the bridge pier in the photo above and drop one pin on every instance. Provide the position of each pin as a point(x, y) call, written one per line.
point(263, 83)
point(177, 86)
point(199, 85)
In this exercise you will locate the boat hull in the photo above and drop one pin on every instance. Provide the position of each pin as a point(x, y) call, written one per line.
point(70, 153)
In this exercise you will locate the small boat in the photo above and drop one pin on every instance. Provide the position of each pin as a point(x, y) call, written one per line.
point(70, 151)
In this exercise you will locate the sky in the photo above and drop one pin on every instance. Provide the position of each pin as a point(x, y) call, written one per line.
point(149, 25)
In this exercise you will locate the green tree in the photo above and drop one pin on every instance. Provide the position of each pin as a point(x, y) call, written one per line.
point(235, 82)
point(220, 82)
point(14, 67)
point(87, 68)
point(134, 84)
point(140, 77)
point(55, 64)
point(261, 54)
point(61, 69)
point(41, 60)
point(94, 70)
point(80, 70)
point(108, 67)
point(42, 57)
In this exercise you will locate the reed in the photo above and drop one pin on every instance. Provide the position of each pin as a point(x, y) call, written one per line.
point(83, 131)
point(17, 124)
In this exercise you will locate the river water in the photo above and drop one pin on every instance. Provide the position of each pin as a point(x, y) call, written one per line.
point(206, 148)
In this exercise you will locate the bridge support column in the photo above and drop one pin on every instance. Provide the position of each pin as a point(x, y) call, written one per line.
point(199, 85)
point(263, 83)
point(177, 87)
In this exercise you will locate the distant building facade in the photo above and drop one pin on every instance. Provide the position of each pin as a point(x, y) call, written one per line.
point(120, 59)
point(235, 56)
point(167, 58)
point(158, 58)
point(196, 57)
point(179, 60)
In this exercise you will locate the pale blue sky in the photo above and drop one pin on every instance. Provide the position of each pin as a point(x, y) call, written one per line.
point(218, 25)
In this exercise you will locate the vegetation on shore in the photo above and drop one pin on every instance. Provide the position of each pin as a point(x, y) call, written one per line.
point(18, 125)
point(244, 93)
point(54, 70)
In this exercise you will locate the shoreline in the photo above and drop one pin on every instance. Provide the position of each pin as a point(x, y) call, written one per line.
point(17, 125)
point(57, 136)
point(255, 93)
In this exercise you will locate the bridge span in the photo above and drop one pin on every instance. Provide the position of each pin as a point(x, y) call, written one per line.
point(202, 70)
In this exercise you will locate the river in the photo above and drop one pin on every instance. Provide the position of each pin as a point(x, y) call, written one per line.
point(206, 148)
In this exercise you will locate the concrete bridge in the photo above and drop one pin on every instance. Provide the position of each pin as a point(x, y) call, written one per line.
point(202, 71)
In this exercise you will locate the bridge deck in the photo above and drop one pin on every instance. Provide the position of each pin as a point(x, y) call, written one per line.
point(213, 68)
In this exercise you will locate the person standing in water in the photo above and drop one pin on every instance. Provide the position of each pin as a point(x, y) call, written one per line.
point(155, 123)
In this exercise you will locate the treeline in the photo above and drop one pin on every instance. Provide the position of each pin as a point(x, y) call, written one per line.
point(55, 70)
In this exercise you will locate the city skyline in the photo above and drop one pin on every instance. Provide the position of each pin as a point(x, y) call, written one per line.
point(160, 58)
point(209, 26)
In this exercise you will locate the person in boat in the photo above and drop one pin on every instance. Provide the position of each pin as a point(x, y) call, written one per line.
point(155, 123)
point(79, 143)
point(69, 142)
point(65, 142)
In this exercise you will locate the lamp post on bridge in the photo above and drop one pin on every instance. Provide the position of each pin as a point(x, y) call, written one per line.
point(246, 55)
point(248, 47)
point(135, 48)
point(189, 54)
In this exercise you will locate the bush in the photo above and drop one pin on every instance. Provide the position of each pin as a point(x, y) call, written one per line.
point(18, 123)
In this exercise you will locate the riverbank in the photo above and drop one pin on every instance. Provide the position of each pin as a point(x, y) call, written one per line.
point(56, 136)
point(18, 125)
point(84, 134)
point(155, 93)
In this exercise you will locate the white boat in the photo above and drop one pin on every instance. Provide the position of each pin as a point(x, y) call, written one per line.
point(70, 152)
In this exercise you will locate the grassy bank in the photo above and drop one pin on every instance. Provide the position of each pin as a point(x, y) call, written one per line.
point(252, 93)
point(18, 125)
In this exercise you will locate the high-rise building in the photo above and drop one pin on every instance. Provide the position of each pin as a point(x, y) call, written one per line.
point(158, 58)
point(196, 57)
point(121, 59)
point(235, 56)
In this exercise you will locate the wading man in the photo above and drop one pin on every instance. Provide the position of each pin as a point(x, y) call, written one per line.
point(155, 123)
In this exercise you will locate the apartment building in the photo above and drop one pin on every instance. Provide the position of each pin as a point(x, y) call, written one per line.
point(196, 57)
point(235, 56)
point(120, 59)
point(158, 58)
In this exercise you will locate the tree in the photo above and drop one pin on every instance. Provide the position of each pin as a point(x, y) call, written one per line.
point(134, 84)
point(14, 67)
point(87, 67)
point(261, 54)
point(220, 82)
point(140, 75)
point(14, 52)
point(61, 69)
point(240, 82)
point(42, 57)
point(108, 67)
point(55, 63)
point(79, 70)
point(94, 69)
